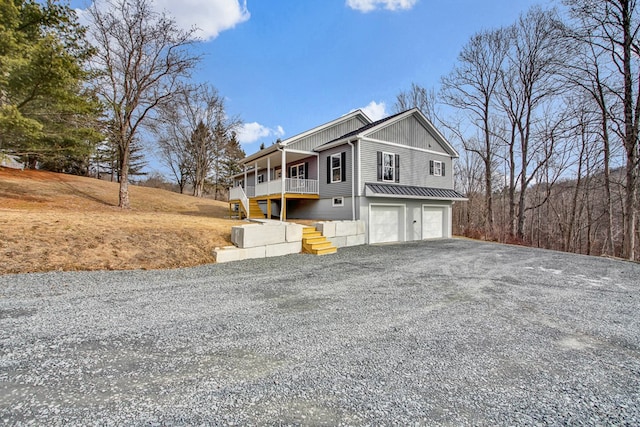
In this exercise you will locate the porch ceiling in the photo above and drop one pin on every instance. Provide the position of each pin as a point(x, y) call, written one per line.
point(276, 159)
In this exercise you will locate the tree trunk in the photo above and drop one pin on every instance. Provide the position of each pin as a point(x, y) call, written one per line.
point(123, 194)
point(488, 173)
point(630, 134)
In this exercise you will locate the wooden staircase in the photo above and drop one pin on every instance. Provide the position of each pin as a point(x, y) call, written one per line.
point(313, 242)
point(254, 210)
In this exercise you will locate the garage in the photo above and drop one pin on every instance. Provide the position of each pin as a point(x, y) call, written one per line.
point(386, 223)
point(433, 218)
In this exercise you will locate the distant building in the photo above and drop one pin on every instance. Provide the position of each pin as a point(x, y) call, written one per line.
point(9, 161)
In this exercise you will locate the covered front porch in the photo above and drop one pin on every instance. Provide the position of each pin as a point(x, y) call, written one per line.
point(274, 176)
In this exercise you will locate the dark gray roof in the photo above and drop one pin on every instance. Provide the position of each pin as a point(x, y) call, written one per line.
point(412, 191)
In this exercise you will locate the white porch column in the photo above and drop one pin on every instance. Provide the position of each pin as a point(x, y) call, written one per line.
point(255, 174)
point(244, 182)
point(283, 175)
point(269, 168)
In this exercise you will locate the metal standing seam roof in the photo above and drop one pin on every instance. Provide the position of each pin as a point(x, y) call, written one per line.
point(407, 190)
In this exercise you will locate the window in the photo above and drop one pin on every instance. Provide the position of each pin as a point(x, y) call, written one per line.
point(297, 171)
point(336, 168)
point(260, 178)
point(337, 202)
point(436, 168)
point(388, 167)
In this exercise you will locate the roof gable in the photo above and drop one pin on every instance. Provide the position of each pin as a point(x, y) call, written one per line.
point(312, 138)
point(413, 129)
point(410, 128)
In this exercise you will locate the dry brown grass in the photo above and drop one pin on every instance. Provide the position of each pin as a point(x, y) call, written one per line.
point(52, 221)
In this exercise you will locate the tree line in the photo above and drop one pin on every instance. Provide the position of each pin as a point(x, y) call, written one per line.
point(84, 100)
point(546, 113)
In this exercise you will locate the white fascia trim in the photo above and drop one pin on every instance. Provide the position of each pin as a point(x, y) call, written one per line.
point(324, 126)
point(395, 144)
point(309, 153)
point(333, 144)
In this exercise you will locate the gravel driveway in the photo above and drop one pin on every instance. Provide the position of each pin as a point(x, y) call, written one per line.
point(450, 332)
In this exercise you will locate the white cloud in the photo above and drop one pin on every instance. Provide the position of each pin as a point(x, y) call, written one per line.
point(209, 17)
point(251, 132)
point(375, 111)
point(369, 5)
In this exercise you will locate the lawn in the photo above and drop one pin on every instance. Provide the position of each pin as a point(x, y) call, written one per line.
point(52, 221)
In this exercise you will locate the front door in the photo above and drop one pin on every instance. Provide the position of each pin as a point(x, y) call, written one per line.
point(297, 171)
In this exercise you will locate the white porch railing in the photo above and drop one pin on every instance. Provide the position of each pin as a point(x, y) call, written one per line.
point(292, 185)
point(301, 186)
point(271, 187)
point(237, 193)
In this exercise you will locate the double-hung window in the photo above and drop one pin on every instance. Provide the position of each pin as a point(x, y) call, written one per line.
point(436, 168)
point(388, 167)
point(337, 168)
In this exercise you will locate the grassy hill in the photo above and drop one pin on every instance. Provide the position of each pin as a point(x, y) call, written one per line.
point(52, 221)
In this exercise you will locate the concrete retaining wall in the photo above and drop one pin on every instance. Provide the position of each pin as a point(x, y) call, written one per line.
point(268, 238)
point(342, 233)
point(260, 240)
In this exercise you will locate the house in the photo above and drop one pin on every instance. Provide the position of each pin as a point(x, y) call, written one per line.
point(9, 161)
point(395, 174)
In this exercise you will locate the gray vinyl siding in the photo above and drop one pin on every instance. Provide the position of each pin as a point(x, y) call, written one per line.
point(319, 209)
point(312, 141)
point(409, 132)
point(337, 189)
point(414, 166)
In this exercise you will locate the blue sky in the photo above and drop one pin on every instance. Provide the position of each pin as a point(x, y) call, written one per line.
point(285, 66)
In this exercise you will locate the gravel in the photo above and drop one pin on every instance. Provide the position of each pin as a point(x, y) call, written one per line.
point(450, 332)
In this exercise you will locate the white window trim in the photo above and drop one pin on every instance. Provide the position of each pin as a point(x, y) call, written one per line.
point(297, 166)
point(339, 204)
point(437, 168)
point(393, 167)
point(339, 157)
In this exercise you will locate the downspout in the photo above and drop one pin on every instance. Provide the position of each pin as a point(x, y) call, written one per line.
point(353, 181)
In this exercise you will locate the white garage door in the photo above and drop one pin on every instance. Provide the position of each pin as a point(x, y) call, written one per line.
point(432, 222)
point(386, 223)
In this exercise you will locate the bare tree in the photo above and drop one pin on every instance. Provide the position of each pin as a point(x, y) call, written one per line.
point(417, 97)
point(530, 81)
point(613, 27)
point(472, 87)
point(140, 56)
point(195, 135)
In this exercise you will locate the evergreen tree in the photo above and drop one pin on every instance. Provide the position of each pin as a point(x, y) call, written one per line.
point(46, 113)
